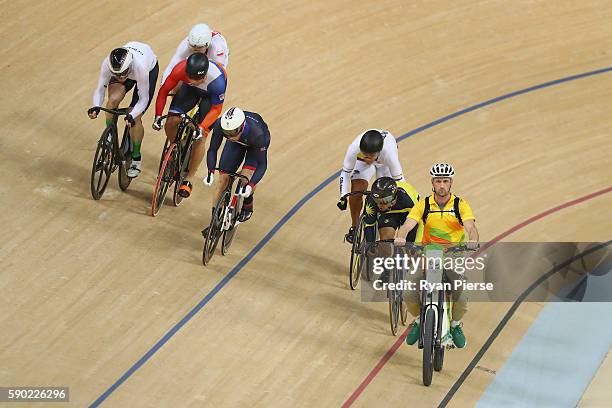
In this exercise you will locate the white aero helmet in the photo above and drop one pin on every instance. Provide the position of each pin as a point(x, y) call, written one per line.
point(119, 61)
point(232, 122)
point(442, 170)
point(200, 36)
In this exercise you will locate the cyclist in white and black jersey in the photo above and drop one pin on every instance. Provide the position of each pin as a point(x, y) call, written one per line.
point(134, 64)
point(372, 153)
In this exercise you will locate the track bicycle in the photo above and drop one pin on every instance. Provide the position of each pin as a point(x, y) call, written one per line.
point(436, 309)
point(111, 156)
point(224, 221)
point(174, 162)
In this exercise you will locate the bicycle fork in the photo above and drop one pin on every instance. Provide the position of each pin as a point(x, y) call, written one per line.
point(230, 214)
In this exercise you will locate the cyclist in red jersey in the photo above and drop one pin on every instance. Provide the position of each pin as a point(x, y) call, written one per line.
point(204, 81)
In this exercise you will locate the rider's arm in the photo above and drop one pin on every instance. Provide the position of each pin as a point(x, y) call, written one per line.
point(168, 85)
point(369, 221)
point(142, 84)
point(218, 50)
point(392, 160)
point(105, 75)
point(347, 168)
point(216, 90)
point(261, 155)
point(469, 221)
point(215, 143)
point(182, 52)
point(470, 228)
point(414, 216)
point(406, 227)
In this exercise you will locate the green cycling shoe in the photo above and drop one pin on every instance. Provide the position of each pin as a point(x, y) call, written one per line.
point(413, 336)
point(458, 336)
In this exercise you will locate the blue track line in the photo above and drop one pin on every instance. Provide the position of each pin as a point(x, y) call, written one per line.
point(160, 343)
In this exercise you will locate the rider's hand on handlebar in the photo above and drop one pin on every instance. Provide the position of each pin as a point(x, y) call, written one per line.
point(342, 203)
point(209, 179)
point(157, 123)
point(198, 132)
point(473, 245)
point(246, 191)
point(129, 120)
point(93, 112)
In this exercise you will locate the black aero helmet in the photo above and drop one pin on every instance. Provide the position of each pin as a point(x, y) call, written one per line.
point(384, 190)
point(197, 65)
point(371, 141)
point(119, 61)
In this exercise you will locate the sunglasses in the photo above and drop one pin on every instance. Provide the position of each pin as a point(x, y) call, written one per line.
point(383, 200)
point(123, 74)
point(233, 133)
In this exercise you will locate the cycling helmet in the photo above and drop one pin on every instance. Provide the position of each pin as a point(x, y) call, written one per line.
point(119, 61)
point(199, 36)
point(371, 141)
point(232, 122)
point(384, 190)
point(442, 170)
point(197, 65)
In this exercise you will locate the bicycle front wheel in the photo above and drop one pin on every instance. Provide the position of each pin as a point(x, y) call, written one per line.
point(394, 305)
point(101, 169)
point(357, 257)
point(164, 178)
point(215, 228)
point(428, 346)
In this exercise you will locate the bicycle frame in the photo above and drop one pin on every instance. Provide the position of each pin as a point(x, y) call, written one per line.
point(437, 300)
point(118, 155)
point(235, 204)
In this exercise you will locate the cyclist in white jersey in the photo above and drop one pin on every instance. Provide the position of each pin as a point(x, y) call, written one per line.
point(200, 39)
point(372, 153)
point(134, 64)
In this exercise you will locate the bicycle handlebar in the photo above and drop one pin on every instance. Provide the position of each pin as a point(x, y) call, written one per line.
point(352, 193)
point(118, 112)
point(236, 175)
point(462, 247)
point(182, 116)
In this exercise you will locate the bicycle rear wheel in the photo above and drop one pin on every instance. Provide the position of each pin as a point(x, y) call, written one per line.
point(165, 177)
point(228, 238)
point(356, 255)
point(428, 346)
point(403, 312)
point(101, 169)
point(214, 229)
point(126, 150)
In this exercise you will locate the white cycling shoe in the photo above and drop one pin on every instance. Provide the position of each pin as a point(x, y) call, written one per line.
point(134, 169)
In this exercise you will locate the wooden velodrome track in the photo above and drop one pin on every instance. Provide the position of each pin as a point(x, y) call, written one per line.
point(89, 288)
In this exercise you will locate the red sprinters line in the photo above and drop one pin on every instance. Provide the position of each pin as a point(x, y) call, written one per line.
point(498, 238)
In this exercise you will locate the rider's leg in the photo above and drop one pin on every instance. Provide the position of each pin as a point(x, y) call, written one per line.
point(199, 149)
point(137, 131)
point(116, 93)
point(246, 210)
point(184, 100)
point(359, 182)
point(356, 201)
point(231, 158)
point(460, 307)
point(413, 305)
